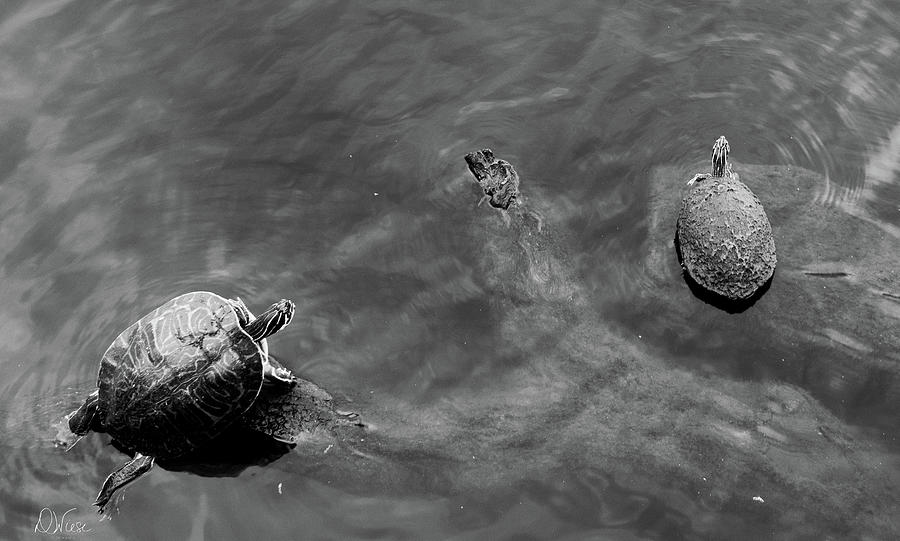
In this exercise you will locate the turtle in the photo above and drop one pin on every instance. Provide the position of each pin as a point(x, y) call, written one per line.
point(495, 177)
point(178, 377)
point(500, 183)
point(723, 237)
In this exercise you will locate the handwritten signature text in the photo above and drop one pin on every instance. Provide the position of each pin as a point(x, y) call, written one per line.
point(49, 522)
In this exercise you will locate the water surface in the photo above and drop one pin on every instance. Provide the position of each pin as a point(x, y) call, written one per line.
point(517, 387)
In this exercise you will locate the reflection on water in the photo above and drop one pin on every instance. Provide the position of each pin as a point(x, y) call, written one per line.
point(518, 385)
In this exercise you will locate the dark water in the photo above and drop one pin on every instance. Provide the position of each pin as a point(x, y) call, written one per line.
point(519, 385)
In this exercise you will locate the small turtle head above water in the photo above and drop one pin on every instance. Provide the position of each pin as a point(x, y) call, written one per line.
point(496, 177)
point(720, 167)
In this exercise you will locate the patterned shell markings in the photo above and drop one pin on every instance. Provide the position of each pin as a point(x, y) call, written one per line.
point(725, 238)
point(178, 376)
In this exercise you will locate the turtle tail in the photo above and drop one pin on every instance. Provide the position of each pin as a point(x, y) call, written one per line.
point(130, 471)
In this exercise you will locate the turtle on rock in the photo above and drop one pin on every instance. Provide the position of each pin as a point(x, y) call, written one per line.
point(178, 377)
point(723, 236)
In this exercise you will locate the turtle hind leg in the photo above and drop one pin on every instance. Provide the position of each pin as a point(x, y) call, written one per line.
point(127, 473)
point(81, 421)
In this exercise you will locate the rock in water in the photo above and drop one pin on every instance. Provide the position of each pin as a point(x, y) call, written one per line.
point(497, 178)
point(836, 259)
point(287, 415)
point(724, 238)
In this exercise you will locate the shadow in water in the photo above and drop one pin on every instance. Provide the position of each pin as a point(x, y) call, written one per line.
point(227, 455)
point(714, 299)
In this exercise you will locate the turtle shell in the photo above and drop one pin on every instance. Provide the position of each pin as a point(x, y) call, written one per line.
point(178, 376)
point(724, 238)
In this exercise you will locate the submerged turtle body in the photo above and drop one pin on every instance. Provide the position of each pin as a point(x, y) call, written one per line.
point(723, 236)
point(178, 377)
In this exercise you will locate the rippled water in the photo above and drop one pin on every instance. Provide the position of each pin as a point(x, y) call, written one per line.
point(560, 384)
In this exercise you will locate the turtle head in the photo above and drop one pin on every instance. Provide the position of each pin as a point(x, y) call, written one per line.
point(720, 157)
point(271, 321)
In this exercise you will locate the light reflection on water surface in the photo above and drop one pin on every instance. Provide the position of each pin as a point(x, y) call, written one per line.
point(517, 387)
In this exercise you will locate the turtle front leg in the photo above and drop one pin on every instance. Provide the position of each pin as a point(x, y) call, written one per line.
point(127, 473)
point(697, 178)
point(276, 374)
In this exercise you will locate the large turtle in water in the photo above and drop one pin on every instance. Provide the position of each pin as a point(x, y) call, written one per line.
point(723, 237)
point(178, 377)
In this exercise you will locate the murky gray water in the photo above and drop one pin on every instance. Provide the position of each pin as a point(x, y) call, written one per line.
point(561, 385)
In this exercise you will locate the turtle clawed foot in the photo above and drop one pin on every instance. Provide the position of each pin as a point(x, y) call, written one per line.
point(101, 506)
point(697, 178)
point(105, 505)
point(274, 373)
point(286, 381)
point(279, 376)
point(285, 377)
